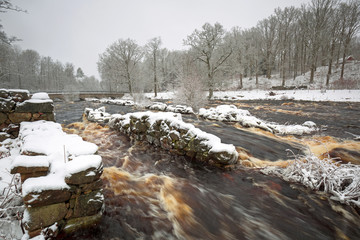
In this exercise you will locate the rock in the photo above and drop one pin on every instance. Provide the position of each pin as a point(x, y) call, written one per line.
point(83, 177)
point(29, 170)
point(43, 116)
point(4, 93)
point(4, 136)
point(6, 105)
point(47, 197)
point(19, 95)
point(17, 117)
point(25, 176)
point(92, 186)
point(76, 224)
point(3, 117)
point(88, 204)
point(345, 155)
point(35, 107)
point(223, 158)
point(40, 217)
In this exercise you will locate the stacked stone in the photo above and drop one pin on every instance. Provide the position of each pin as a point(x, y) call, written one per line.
point(177, 138)
point(59, 202)
point(16, 107)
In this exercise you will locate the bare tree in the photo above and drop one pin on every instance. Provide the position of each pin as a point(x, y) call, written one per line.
point(268, 28)
point(315, 18)
point(350, 25)
point(208, 44)
point(119, 62)
point(153, 49)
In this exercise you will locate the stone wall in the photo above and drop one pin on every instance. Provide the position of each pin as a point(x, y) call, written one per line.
point(170, 133)
point(16, 107)
point(62, 192)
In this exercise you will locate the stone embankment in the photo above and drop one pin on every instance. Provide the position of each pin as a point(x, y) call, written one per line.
point(169, 132)
point(61, 185)
point(60, 173)
point(16, 106)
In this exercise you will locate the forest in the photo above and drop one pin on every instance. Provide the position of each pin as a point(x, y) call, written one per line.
point(289, 43)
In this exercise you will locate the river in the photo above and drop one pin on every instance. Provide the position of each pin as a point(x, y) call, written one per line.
point(152, 194)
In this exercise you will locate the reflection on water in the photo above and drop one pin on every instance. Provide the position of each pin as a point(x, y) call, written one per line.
point(150, 194)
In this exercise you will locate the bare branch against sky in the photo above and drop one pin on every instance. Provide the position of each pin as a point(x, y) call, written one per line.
point(78, 31)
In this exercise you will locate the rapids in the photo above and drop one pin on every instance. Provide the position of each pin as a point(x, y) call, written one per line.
point(151, 194)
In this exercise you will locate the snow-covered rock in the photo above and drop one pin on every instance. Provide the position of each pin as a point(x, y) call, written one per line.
point(230, 113)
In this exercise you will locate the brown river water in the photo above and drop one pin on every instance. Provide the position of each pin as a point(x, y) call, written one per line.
point(152, 194)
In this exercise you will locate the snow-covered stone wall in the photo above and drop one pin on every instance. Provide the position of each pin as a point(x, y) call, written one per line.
point(169, 132)
point(60, 174)
point(16, 106)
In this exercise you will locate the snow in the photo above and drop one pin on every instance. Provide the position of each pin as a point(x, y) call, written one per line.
point(175, 120)
point(299, 95)
point(81, 163)
point(342, 181)
point(45, 137)
point(122, 102)
point(40, 95)
point(231, 113)
point(30, 161)
point(39, 184)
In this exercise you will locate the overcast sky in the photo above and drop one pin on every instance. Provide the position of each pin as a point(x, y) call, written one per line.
point(77, 31)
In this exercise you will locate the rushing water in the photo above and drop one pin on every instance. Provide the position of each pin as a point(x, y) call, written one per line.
point(151, 194)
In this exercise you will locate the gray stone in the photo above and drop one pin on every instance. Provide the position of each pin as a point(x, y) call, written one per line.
point(32, 107)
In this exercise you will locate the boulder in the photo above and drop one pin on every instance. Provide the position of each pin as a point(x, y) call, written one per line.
point(47, 197)
point(41, 106)
point(41, 217)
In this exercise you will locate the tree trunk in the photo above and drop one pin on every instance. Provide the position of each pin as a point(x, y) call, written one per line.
point(155, 79)
point(241, 81)
point(330, 64)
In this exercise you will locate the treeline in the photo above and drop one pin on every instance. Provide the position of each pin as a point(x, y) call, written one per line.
point(26, 69)
point(290, 42)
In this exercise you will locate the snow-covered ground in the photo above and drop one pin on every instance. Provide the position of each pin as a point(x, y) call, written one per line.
point(299, 95)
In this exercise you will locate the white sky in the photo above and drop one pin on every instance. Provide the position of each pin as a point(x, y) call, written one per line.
point(77, 31)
